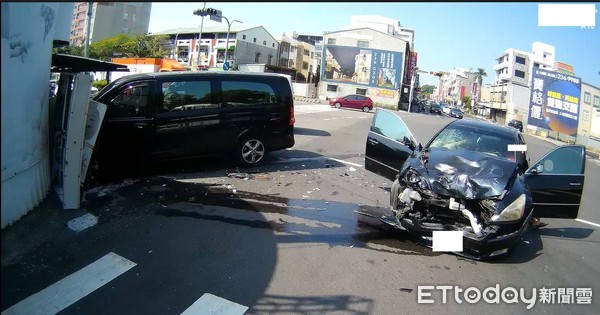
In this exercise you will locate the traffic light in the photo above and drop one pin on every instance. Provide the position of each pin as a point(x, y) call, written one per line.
point(211, 11)
point(200, 12)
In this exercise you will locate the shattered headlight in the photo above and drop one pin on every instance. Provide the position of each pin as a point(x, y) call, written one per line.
point(412, 177)
point(512, 212)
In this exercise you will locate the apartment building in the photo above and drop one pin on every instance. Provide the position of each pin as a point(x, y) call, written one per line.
point(513, 73)
point(109, 19)
point(457, 84)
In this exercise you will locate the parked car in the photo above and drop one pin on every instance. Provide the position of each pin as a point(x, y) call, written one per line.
point(469, 178)
point(517, 124)
point(353, 101)
point(435, 109)
point(172, 115)
point(446, 108)
point(456, 113)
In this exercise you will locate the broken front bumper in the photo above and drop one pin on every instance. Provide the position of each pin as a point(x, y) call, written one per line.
point(474, 247)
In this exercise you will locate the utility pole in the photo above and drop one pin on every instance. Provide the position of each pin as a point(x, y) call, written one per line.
point(202, 13)
point(227, 40)
point(86, 48)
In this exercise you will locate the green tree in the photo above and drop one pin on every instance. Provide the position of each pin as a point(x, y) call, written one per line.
point(479, 77)
point(427, 90)
point(466, 101)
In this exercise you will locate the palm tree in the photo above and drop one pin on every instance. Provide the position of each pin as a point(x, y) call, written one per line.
point(479, 77)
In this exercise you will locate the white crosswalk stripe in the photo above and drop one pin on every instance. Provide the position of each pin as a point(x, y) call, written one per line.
point(74, 287)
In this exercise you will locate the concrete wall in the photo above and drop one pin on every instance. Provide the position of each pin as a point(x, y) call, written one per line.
point(246, 48)
point(28, 31)
point(304, 90)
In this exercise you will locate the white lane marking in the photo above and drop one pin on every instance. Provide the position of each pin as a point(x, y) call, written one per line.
point(517, 148)
point(83, 222)
point(588, 222)
point(214, 305)
point(292, 160)
point(72, 288)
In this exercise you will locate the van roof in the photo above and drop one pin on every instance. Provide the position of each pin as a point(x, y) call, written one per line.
point(195, 73)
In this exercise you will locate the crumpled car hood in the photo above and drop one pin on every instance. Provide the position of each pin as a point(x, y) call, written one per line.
point(465, 174)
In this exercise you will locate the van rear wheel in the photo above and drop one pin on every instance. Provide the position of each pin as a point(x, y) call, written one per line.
point(250, 151)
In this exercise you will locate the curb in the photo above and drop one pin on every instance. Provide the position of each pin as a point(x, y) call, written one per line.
point(308, 100)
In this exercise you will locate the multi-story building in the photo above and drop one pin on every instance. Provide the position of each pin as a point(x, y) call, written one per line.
point(385, 25)
point(364, 61)
point(589, 105)
point(511, 88)
point(457, 84)
point(245, 45)
point(317, 43)
point(109, 19)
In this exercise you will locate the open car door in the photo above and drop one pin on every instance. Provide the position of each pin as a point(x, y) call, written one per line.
point(556, 182)
point(389, 144)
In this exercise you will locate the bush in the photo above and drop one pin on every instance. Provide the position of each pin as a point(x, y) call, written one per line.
point(99, 84)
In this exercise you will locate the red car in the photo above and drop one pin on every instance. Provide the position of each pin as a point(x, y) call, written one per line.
point(352, 101)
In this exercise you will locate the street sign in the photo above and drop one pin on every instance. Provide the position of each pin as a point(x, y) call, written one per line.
point(217, 17)
point(226, 66)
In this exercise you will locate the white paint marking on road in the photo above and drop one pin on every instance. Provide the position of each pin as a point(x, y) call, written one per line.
point(588, 222)
point(83, 222)
point(214, 305)
point(345, 162)
point(292, 160)
point(517, 148)
point(74, 287)
point(447, 241)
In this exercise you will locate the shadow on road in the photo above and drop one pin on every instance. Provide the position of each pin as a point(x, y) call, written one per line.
point(311, 132)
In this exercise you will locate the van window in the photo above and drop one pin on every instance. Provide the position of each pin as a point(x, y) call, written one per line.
point(185, 95)
point(244, 93)
point(131, 101)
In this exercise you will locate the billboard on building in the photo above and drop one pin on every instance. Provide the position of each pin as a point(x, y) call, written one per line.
point(369, 67)
point(413, 63)
point(554, 101)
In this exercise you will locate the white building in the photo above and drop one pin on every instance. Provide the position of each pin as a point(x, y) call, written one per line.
point(385, 25)
point(247, 45)
point(457, 84)
point(510, 91)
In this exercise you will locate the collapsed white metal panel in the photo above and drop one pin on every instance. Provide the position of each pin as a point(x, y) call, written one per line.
point(70, 190)
point(95, 116)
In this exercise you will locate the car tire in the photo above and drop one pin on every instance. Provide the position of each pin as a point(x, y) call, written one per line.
point(365, 109)
point(250, 151)
point(338, 105)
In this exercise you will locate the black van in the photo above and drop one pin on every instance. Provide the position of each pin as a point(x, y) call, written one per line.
point(174, 115)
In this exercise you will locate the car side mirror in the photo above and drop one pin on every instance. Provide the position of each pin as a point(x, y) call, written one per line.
point(407, 142)
point(538, 169)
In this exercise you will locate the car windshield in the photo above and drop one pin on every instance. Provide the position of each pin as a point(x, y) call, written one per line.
point(473, 139)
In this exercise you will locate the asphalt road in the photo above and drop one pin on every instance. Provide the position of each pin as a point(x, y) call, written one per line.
point(286, 238)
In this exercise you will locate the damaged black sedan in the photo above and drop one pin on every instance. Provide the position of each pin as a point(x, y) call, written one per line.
point(472, 177)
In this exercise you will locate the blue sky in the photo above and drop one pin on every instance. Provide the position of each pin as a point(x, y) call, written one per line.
point(447, 35)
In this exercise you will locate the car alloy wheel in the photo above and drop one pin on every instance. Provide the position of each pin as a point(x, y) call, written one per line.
point(366, 109)
point(338, 105)
point(250, 152)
